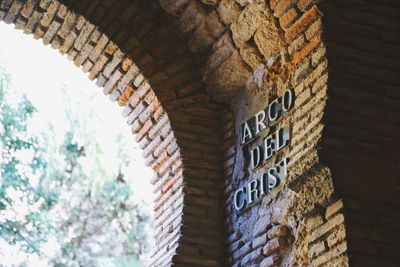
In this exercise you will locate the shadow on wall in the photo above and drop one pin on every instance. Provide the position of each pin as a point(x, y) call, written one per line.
point(361, 143)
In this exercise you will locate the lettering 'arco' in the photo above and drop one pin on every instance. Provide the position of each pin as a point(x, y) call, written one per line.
point(273, 176)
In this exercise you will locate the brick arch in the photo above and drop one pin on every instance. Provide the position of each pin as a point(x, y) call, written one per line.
point(140, 63)
point(237, 38)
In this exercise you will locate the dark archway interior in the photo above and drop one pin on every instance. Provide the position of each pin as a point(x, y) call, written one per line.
point(362, 124)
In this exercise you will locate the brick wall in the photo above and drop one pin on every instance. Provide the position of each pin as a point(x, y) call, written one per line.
point(282, 49)
point(188, 73)
point(360, 143)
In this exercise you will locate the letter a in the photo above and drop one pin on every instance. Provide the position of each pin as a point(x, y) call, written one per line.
point(247, 135)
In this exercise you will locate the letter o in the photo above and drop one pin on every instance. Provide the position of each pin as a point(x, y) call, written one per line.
point(287, 100)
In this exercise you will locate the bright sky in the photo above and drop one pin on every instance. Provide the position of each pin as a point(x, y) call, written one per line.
point(38, 71)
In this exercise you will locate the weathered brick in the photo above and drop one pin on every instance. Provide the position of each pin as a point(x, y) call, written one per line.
point(316, 249)
point(98, 66)
point(67, 25)
point(151, 146)
point(336, 236)
point(262, 225)
point(252, 257)
point(13, 12)
point(274, 245)
point(273, 260)
point(314, 29)
point(259, 241)
point(62, 11)
point(305, 4)
point(314, 222)
point(116, 59)
point(83, 54)
point(302, 23)
point(32, 22)
point(100, 45)
point(68, 42)
point(282, 6)
point(28, 8)
point(333, 209)
point(111, 84)
point(49, 35)
point(323, 229)
point(287, 20)
point(50, 13)
point(6, 4)
point(278, 231)
point(87, 66)
point(306, 50)
point(334, 252)
point(125, 95)
point(83, 36)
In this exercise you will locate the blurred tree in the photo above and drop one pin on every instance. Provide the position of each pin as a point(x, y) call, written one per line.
point(60, 203)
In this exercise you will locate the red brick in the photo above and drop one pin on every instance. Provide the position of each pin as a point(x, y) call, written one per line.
point(302, 23)
point(303, 5)
point(287, 19)
point(306, 50)
point(125, 96)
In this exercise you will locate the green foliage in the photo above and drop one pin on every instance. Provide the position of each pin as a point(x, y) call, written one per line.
point(62, 196)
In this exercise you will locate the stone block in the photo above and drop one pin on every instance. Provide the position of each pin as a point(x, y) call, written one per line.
point(229, 11)
point(247, 23)
point(267, 39)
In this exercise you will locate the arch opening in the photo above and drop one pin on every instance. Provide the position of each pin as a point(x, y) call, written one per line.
point(181, 146)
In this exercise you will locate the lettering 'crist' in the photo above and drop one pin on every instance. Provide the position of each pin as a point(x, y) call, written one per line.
point(268, 116)
point(257, 188)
